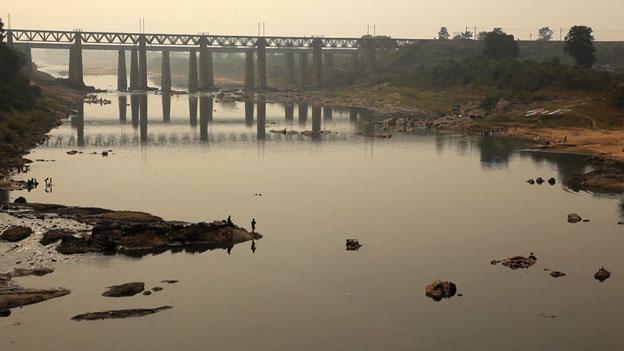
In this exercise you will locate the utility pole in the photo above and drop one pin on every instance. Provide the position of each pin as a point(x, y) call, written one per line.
point(560, 34)
point(263, 29)
point(258, 28)
point(374, 30)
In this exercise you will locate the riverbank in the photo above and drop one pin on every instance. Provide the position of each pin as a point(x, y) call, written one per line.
point(21, 130)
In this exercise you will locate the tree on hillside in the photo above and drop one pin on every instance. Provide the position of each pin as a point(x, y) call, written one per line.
point(580, 45)
point(467, 35)
point(1, 31)
point(499, 44)
point(545, 34)
point(443, 34)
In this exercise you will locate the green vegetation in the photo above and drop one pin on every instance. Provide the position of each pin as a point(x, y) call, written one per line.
point(498, 44)
point(15, 89)
point(580, 45)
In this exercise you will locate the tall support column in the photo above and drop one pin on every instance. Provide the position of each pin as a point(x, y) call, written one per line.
point(329, 63)
point(142, 63)
point(122, 78)
point(371, 56)
point(165, 73)
point(290, 68)
point(29, 66)
point(317, 63)
point(250, 75)
point(206, 73)
point(192, 72)
point(9, 38)
point(303, 69)
point(134, 69)
point(75, 61)
point(262, 65)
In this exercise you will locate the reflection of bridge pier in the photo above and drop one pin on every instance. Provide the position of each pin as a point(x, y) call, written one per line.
point(166, 106)
point(328, 113)
point(134, 109)
point(316, 122)
point(143, 118)
point(79, 123)
point(353, 115)
point(193, 110)
point(289, 111)
point(123, 108)
point(302, 112)
point(249, 113)
point(205, 116)
point(261, 118)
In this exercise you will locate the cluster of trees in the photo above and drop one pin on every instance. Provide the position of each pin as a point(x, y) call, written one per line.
point(15, 88)
point(579, 43)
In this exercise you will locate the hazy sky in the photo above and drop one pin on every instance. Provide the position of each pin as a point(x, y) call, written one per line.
point(398, 18)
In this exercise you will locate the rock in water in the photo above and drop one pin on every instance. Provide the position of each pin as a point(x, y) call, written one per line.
point(556, 274)
point(552, 181)
point(20, 200)
point(17, 297)
point(119, 314)
point(37, 272)
point(124, 290)
point(520, 262)
point(16, 233)
point(531, 181)
point(539, 181)
point(439, 290)
point(574, 218)
point(602, 274)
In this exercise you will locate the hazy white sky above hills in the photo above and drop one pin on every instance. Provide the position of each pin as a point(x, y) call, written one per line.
point(398, 18)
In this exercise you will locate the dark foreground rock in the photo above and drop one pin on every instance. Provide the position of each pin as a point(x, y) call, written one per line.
point(119, 314)
point(16, 233)
point(602, 181)
point(124, 290)
point(55, 235)
point(135, 233)
point(439, 290)
point(518, 262)
point(602, 275)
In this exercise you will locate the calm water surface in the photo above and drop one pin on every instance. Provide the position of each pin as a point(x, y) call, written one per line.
point(426, 206)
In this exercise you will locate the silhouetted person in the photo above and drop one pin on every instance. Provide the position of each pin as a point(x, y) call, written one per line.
point(253, 225)
point(229, 249)
point(229, 221)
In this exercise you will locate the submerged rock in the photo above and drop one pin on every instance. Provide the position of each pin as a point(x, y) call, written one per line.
point(119, 314)
point(557, 274)
point(574, 218)
point(16, 233)
point(607, 181)
point(519, 262)
point(552, 181)
point(602, 274)
point(124, 290)
point(38, 272)
point(539, 181)
point(12, 297)
point(531, 181)
point(439, 290)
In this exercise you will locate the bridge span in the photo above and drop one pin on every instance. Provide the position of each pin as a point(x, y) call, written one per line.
point(201, 74)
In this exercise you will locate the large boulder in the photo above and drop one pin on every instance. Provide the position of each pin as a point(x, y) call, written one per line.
point(16, 233)
point(55, 235)
point(124, 290)
point(574, 218)
point(439, 290)
point(602, 275)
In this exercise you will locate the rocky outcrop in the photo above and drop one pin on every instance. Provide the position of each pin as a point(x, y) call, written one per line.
point(124, 290)
point(602, 181)
point(16, 233)
point(602, 274)
point(439, 290)
point(135, 233)
point(574, 218)
point(12, 297)
point(119, 314)
point(517, 262)
point(55, 235)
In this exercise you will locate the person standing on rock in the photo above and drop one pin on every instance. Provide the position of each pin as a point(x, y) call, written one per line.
point(253, 225)
point(229, 221)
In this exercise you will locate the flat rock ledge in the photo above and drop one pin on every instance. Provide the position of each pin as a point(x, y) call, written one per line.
point(135, 233)
point(119, 314)
point(14, 296)
point(124, 290)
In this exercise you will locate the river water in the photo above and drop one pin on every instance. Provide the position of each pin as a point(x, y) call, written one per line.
point(426, 206)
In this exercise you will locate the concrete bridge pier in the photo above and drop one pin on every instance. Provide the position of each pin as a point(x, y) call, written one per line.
point(142, 63)
point(261, 125)
point(262, 64)
point(134, 69)
point(303, 69)
point(192, 72)
point(75, 62)
point(371, 56)
point(328, 113)
point(290, 68)
point(206, 70)
point(250, 75)
point(165, 73)
point(249, 113)
point(29, 67)
point(317, 64)
point(122, 78)
point(9, 38)
point(193, 110)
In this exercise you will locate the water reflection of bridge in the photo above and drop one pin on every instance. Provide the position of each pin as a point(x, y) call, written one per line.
point(200, 114)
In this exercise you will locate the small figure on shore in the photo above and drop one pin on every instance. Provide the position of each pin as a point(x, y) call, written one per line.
point(229, 221)
point(253, 225)
point(229, 249)
point(565, 139)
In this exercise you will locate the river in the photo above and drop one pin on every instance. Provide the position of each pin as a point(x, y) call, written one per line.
point(426, 206)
